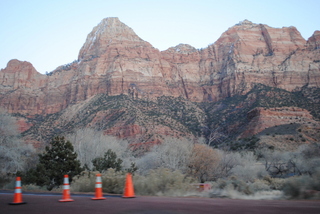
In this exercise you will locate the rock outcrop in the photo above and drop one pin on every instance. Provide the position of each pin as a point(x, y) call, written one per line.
point(114, 60)
point(262, 118)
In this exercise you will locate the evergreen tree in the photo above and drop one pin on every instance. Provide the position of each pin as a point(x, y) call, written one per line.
point(133, 168)
point(109, 160)
point(58, 160)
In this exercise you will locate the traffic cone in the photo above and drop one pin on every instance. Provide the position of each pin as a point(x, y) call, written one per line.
point(98, 195)
point(129, 190)
point(17, 198)
point(66, 190)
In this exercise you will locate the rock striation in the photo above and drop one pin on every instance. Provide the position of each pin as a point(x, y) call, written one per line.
point(262, 118)
point(114, 60)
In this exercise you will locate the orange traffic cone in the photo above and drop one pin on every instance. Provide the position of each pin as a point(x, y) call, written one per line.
point(128, 190)
point(66, 190)
point(98, 195)
point(17, 198)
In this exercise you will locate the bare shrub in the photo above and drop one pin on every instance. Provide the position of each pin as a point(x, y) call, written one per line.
point(303, 161)
point(172, 154)
point(303, 187)
point(113, 181)
point(15, 154)
point(238, 189)
point(161, 182)
point(148, 162)
point(248, 169)
point(89, 144)
point(274, 183)
point(203, 162)
point(227, 162)
point(259, 185)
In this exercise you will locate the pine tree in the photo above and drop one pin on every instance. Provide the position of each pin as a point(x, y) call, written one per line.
point(109, 160)
point(58, 160)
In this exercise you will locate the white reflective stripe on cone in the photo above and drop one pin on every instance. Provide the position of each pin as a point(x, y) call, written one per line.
point(66, 187)
point(98, 185)
point(98, 179)
point(17, 190)
point(66, 180)
point(18, 183)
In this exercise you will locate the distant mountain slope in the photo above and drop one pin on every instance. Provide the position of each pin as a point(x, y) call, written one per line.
point(221, 122)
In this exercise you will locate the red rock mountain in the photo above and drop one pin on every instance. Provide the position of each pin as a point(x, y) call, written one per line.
point(114, 60)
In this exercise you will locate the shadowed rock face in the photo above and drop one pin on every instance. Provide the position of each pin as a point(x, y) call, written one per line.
point(114, 60)
point(261, 119)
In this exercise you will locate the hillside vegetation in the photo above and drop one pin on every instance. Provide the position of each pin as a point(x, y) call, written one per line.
point(139, 120)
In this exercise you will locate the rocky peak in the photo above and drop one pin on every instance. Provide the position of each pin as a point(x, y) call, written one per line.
point(182, 49)
point(259, 39)
point(245, 22)
point(20, 74)
point(313, 42)
point(108, 31)
point(15, 65)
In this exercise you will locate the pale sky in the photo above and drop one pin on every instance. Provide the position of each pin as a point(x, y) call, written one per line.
point(50, 33)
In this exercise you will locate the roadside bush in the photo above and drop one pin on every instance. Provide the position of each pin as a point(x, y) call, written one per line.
point(113, 181)
point(158, 182)
point(274, 183)
point(238, 189)
point(303, 187)
point(259, 185)
point(162, 182)
point(250, 172)
point(84, 183)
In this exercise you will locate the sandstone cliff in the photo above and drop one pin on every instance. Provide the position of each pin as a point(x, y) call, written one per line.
point(114, 60)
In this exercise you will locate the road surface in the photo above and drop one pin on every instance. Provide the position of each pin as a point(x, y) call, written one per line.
point(48, 204)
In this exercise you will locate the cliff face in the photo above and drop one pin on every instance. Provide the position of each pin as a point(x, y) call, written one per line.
point(114, 60)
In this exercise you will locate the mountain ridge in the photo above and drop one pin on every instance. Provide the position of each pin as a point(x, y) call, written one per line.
point(115, 61)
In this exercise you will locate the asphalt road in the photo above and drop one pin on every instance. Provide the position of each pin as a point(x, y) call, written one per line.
point(47, 204)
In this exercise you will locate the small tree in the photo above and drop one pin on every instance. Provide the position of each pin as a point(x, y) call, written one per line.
point(109, 160)
point(203, 162)
point(58, 160)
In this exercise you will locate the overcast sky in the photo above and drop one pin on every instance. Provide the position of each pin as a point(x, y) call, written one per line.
point(50, 33)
